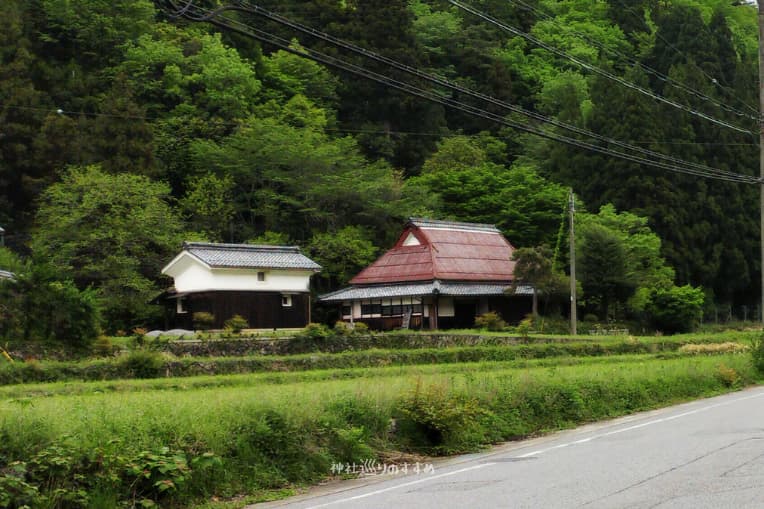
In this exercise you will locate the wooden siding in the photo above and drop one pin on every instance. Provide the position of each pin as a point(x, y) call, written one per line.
point(262, 310)
point(511, 309)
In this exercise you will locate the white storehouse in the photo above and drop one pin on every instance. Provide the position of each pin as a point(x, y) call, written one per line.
point(267, 285)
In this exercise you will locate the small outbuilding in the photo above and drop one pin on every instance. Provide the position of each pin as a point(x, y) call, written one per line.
point(267, 285)
point(439, 275)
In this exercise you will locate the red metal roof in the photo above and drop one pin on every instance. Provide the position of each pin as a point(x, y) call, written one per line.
point(447, 251)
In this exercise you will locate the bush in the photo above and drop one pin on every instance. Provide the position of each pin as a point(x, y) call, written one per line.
point(143, 364)
point(438, 420)
point(103, 347)
point(490, 321)
point(757, 353)
point(360, 329)
point(203, 320)
point(317, 331)
point(236, 324)
point(676, 309)
point(342, 329)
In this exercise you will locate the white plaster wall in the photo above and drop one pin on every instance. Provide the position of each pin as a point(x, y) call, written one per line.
point(194, 277)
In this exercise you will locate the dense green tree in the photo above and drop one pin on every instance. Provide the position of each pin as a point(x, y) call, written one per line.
point(209, 202)
point(112, 233)
point(535, 266)
point(342, 254)
point(37, 304)
point(458, 183)
point(602, 269)
point(294, 179)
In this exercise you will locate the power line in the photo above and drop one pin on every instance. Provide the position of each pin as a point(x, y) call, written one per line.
point(597, 70)
point(713, 80)
point(215, 17)
point(647, 69)
point(248, 7)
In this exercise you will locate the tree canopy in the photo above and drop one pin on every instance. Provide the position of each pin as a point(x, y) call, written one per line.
point(116, 116)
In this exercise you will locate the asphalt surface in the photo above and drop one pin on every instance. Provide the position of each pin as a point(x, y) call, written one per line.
point(704, 454)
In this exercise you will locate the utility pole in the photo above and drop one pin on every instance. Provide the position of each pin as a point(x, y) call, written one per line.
point(761, 147)
point(573, 303)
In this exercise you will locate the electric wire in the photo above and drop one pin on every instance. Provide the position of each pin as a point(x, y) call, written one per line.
point(249, 7)
point(713, 80)
point(754, 115)
point(597, 70)
point(215, 17)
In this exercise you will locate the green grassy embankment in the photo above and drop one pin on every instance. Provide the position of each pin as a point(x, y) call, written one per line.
point(177, 441)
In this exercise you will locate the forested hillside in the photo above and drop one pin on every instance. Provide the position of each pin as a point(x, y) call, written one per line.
point(124, 131)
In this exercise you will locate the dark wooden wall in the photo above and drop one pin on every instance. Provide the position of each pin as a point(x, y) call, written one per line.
point(262, 310)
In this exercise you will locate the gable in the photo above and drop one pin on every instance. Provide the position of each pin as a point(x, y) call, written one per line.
point(443, 251)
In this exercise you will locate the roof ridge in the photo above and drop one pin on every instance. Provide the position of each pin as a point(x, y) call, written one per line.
point(241, 247)
point(421, 222)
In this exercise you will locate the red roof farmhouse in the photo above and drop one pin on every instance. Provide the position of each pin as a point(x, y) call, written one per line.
point(440, 274)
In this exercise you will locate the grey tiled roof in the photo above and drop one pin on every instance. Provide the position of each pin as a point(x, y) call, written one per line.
point(425, 288)
point(453, 225)
point(4, 274)
point(246, 256)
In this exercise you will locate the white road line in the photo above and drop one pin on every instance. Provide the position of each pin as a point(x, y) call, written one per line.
point(641, 425)
point(404, 485)
point(542, 451)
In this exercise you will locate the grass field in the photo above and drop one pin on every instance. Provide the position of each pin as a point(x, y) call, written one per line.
point(179, 441)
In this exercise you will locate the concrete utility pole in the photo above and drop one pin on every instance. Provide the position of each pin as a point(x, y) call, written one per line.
point(573, 303)
point(761, 147)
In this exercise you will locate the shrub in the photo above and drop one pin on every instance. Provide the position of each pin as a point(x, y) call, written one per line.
point(360, 329)
point(103, 346)
point(317, 331)
point(727, 376)
point(676, 309)
point(757, 353)
point(439, 420)
point(143, 364)
point(203, 320)
point(236, 324)
point(524, 328)
point(490, 321)
point(342, 329)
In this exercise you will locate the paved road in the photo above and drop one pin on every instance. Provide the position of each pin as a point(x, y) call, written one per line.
point(705, 454)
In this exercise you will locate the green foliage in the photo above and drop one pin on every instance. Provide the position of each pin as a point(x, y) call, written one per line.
point(142, 364)
point(317, 331)
point(603, 270)
point(38, 305)
point(490, 321)
point(208, 201)
point(203, 320)
point(341, 254)
point(676, 309)
point(236, 324)
point(103, 346)
point(111, 232)
point(270, 238)
point(757, 353)
point(15, 492)
point(438, 420)
point(251, 140)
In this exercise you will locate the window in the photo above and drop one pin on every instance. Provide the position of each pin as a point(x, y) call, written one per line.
point(371, 309)
point(345, 310)
point(286, 301)
point(399, 307)
point(261, 276)
point(180, 304)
